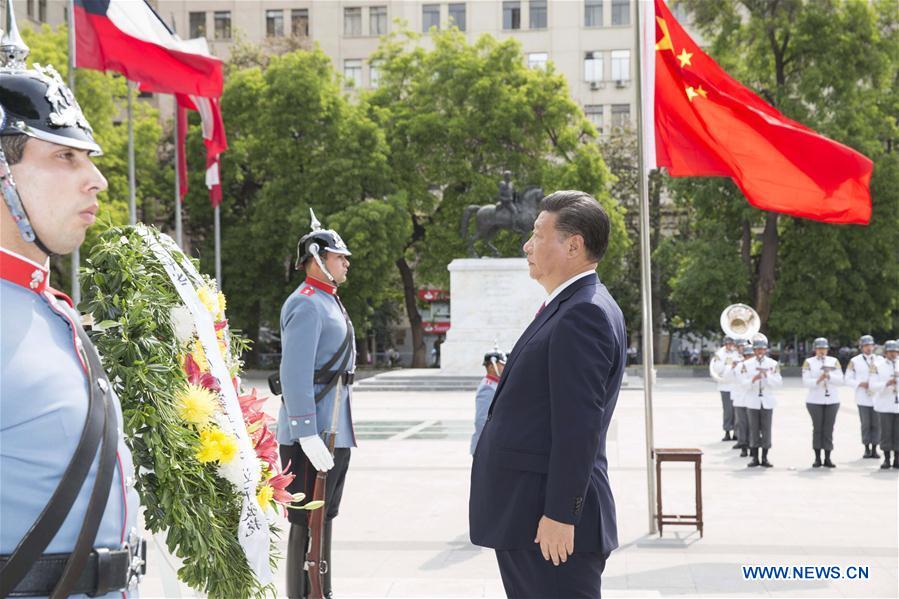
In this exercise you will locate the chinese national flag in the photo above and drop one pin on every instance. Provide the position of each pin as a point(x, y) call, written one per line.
point(707, 124)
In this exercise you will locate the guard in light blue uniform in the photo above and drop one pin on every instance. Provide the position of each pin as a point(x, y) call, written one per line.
point(54, 395)
point(494, 362)
point(318, 357)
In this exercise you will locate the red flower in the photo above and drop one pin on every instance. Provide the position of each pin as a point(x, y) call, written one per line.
point(266, 446)
point(221, 324)
point(250, 404)
point(197, 377)
point(279, 483)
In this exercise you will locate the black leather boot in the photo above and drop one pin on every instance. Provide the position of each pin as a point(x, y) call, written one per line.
point(326, 558)
point(827, 462)
point(754, 452)
point(867, 451)
point(297, 541)
point(886, 460)
point(744, 452)
point(895, 459)
point(817, 463)
point(765, 462)
point(874, 453)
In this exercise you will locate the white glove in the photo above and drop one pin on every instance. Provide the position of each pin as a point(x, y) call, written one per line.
point(318, 454)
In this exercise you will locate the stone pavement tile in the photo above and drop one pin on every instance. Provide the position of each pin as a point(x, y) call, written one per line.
point(436, 587)
point(362, 587)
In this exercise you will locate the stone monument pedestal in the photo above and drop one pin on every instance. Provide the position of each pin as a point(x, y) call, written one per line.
point(492, 300)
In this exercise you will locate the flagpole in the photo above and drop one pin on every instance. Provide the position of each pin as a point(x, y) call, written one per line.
point(645, 283)
point(177, 177)
point(76, 255)
point(132, 192)
point(218, 246)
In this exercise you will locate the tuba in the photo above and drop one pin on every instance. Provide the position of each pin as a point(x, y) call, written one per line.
point(740, 321)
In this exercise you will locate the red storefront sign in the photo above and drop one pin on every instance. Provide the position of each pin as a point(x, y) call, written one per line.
point(435, 327)
point(433, 295)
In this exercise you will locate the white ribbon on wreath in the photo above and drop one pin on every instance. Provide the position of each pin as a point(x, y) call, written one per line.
point(253, 530)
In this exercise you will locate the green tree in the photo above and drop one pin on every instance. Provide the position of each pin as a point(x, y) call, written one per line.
point(296, 142)
point(798, 55)
point(455, 117)
point(103, 98)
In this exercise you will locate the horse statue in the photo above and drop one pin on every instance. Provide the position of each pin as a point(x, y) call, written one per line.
point(517, 216)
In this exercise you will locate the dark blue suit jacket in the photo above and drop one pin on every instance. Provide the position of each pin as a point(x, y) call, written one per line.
point(543, 448)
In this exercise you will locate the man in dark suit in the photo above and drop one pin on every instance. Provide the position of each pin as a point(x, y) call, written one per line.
point(540, 493)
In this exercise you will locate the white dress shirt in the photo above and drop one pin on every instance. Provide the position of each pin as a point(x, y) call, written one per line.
point(565, 285)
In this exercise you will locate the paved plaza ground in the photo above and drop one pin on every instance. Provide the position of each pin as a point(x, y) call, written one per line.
point(402, 530)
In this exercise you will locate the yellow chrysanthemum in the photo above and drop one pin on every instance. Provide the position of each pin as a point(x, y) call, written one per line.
point(222, 303)
point(265, 495)
point(216, 446)
point(196, 405)
point(199, 355)
point(209, 300)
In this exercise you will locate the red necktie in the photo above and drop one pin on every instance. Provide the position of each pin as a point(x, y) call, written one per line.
point(540, 309)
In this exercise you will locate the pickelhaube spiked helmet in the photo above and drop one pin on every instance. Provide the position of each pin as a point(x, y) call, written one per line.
point(747, 350)
point(866, 340)
point(325, 240)
point(821, 343)
point(728, 340)
point(36, 102)
point(495, 356)
point(892, 345)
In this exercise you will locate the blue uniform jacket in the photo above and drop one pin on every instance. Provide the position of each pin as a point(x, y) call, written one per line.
point(543, 448)
point(482, 398)
point(43, 406)
point(313, 327)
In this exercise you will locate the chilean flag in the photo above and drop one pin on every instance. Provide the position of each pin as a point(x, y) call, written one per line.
point(128, 36)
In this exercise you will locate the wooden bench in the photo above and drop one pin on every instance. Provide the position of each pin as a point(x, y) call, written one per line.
point(679, 455)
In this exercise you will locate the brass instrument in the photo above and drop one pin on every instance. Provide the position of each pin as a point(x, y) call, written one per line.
point(740, 321)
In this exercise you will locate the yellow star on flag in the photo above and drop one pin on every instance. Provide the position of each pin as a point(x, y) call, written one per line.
point(702, 92)
point(691, 93)
point(665, 42)
point(684, 58)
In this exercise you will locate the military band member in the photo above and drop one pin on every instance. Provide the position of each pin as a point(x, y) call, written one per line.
point(722, 360)
point(68, 508)
point(862, 369)
point(886, 404)
point(494, 362)
point(821, 375)
point(318, 347)
point(738, 395)
point(759, 376)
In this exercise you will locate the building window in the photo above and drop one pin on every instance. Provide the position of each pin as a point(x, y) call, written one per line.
point(511, 15)
point(29, 8)
point(197, 24)
point(377, 20)
point(374, 74)
point(537, 60)
point(274, 23)
point(594, 115)
point(430, 17)
point(299, 22)
point(352, 70)
point(593, 67)
point(621, 115)
point(537, 14)
point(592, 13)
point(621, 65)
point(42, 11)
point(457, 15)
point(621, 12)
point(352, 21)
point(222, 24)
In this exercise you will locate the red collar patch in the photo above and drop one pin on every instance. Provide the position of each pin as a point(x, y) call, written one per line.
point(23, 272)
point(492, 378)
point(326, 287)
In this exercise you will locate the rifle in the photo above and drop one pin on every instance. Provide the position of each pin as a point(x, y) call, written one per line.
point(315, 565)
